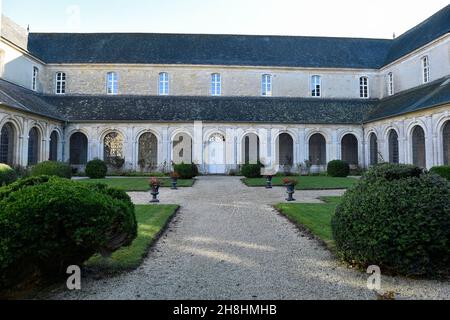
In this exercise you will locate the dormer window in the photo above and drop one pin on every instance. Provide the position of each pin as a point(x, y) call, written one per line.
point(112, 84)
point(35, 80)
point(163, 84)
point(216, 84)
point(426, 69)
point(60, 83)
point(316, 86)
point(390, 83)
point(266, 85)
point(364, 87)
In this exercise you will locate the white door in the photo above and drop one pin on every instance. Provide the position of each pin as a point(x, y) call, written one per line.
point(216, 155)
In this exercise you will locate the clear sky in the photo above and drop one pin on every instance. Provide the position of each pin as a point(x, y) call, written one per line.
point(341, 18)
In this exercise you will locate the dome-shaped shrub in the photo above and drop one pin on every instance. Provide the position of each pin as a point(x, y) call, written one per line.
point(251, 170)
point(443, 171)
point(7, 174)
point(96, 169)
point(47, 224)
point(52, 168)
point(398, 218)
point(186, 171)
point(338, 168)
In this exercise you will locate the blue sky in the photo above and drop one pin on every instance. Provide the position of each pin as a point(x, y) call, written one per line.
point(350, 18)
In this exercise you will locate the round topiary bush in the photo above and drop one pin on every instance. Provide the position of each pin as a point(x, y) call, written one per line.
point(49, 223)
point(251, 170)
point(7, 174)
point(443, 171)
point(396, 217)
point(186, 171)
point(52, 168)
point(338, 168)
point(96, 169)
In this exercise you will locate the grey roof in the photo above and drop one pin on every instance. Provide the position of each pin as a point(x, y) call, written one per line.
point(26, 100)
point(423, 97)
point(211, 109)
point(239, 50)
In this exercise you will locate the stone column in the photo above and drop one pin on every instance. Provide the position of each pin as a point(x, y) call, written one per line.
point(430, 143)
point(301, 152)
point(197, 143)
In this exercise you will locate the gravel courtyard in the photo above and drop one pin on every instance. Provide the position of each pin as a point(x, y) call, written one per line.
point(228, 243)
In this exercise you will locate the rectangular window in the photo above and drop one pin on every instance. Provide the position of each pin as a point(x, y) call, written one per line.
point(112, 85)
point(426, 70)
point(390, 84)
point(34, 85)
point(364, 87)
point(266, 84)
point(216, 85)
point(60, 83)
point(316, 86)
point(163, 84)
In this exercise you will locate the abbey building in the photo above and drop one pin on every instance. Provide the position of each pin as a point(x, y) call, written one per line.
point(224, 100)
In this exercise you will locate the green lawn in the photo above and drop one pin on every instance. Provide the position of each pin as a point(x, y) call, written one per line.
point(314, 217)
point(136, 184)
point(151, 221)
point(307, 182)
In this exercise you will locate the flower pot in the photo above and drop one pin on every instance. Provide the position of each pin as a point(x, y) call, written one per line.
point(290, 191)
point(155, 193)
point(269, 182)
point(174, 184)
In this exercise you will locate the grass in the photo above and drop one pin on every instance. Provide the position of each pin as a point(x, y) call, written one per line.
point(316, 218)
point(151, 221)
point(136, 184)
point(307, 182)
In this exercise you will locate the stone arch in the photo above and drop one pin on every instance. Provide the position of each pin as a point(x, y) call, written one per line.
point(373, 149)
point(8, 143)
point(182, 147)
point(318, 149)
point(446, 142)
point(285, 150)
point(250, 148)
point(78, 149)
point(113, 146)
point(215, 153)
point(148, 151)
point(393, 146)
point(53, 146)
point(418, 147)
point(349, 149)
point(34, 145)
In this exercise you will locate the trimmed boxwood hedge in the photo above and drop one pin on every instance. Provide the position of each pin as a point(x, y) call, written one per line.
point(251, 170)
point(96, 169)
point(49, 223)
point(186, 171)
point(338, 168)
point(443, 171)
point(52, 168)
point(396, 217)
point(7, 174)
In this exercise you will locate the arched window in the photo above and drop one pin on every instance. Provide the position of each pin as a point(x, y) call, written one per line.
point(266, 85)
point(373, 149)
point(318, 150)
point(112, 83)
point(426, 69)
point(78, 149)
point(418, 147)
point(393, 147)
point(33, 146)
point(364, 87)
point(113, 147)
point(148, 152)
point(390, 83)
point(251, 149)
point(35, 79)
point(163, 84)
point(285, 150)
point(60, 83)
point(7, 144)
point(446, 142)
point(349, 149)
point(182, 148)
point(53, 154)
point(316, 86)
point(216, 84)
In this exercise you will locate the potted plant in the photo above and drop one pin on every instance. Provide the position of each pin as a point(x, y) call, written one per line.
point(174, 176)
point(268, 173)
point(290, 184)
point(154, 185)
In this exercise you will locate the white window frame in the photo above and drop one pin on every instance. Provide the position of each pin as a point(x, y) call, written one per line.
point(315, 84)
point(425, 69)
point(112, 84)
point(163, 84)
point(35, 79)
point(390, 84)
point(364, 87)
point(266, 85)
point(60, 82)
point(216, 84)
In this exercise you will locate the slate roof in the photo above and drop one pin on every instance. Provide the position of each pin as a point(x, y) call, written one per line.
point(238, 50)
point(423, 97)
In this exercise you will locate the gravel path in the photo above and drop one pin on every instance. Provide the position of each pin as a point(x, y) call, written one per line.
point(228, 243)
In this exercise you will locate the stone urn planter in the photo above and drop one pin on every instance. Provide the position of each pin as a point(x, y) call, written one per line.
point(154, 185)
point(269, 182)
point(290, 188)
point(174, 176)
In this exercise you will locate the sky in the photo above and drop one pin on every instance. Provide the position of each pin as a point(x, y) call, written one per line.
point(344, 18)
